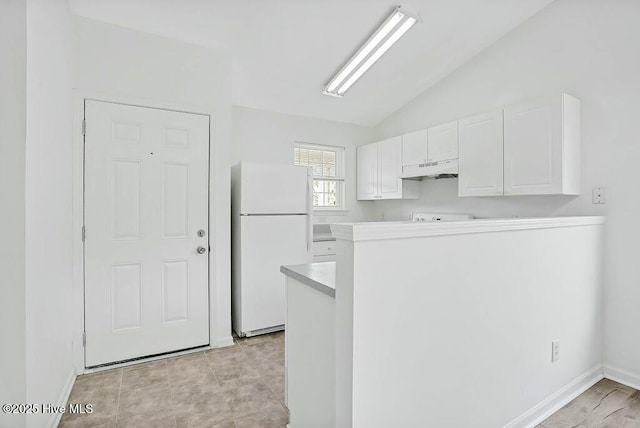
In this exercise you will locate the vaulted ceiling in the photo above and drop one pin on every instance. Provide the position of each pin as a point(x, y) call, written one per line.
point(285, 51)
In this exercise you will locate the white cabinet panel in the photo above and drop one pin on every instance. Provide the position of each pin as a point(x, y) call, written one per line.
point(414, 148)
point(367, 172)
point(390, 168)
point(379, 170)
point(480, 151)
point(442, 142)
point(534, 142)
point(324, 251)
point(324, 248)
point(532, 150)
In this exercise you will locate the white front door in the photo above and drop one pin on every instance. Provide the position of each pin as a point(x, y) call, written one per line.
point(146, 214)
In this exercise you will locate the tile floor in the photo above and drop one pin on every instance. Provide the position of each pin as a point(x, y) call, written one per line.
point(243, 386)
point(235, 387)
point(605, 405)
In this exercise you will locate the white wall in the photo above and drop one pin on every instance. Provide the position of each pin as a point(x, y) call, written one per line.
point(466, 321)
point(48, 253)
point(588, 49)
point(155, 70)
point(264, 136)
point(12, 205)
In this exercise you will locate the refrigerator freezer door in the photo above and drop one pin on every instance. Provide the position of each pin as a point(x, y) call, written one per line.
point(273, 189)
point(268, 242)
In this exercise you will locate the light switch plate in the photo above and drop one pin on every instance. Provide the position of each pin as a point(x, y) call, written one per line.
point(598, 195)
point(555, 351)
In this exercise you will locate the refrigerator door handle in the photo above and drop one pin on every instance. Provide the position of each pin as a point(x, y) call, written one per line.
point(309, 209)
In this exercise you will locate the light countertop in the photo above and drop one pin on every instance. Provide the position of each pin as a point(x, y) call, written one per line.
point(369, 231)
point(321, 276)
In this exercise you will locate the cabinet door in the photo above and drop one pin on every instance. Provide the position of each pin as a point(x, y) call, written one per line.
point(390, 168)
point(414, 148)
point(480, 154)
point(367, 172)
point(442, 142)
point(533, 148)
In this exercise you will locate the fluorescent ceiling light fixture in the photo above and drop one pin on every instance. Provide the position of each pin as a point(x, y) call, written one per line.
point(384, 37)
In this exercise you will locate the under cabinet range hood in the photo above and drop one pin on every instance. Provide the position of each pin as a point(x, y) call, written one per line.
point(438, 169)
point(431, 152)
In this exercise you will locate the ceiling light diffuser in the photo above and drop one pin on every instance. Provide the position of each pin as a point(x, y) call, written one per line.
point(398, 23)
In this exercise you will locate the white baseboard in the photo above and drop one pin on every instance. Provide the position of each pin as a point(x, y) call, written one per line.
point(225, 341)
point(557, 400)
point(54, 420)
point(622, 376)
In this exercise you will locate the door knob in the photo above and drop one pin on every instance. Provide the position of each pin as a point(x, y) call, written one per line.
point(201, 250)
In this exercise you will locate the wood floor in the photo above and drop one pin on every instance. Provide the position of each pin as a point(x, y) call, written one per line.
point(242, 386)
point(605, 405)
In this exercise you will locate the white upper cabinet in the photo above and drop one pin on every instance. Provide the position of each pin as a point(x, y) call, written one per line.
point(480, 155)
point(414, 148)
point(390, 168)
point(379, 169)
point(422, 149)
point(367, 171)
point(442, 142)
point(527, 149)
point(542, 147)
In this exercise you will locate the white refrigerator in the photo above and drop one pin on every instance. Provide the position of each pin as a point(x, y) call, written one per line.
point(271, 226)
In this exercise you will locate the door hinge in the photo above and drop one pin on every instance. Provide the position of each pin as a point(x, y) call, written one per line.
point(84, 233)
point(84, 338)
point(84, 127)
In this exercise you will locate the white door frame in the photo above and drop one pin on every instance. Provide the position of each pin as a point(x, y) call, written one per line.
point(77, 303)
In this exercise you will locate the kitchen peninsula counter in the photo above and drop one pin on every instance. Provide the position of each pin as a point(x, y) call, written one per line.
point(422, 311)
point(368, 231)
point(320, 276)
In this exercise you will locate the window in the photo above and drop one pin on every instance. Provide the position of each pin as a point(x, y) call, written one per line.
point(328, 173)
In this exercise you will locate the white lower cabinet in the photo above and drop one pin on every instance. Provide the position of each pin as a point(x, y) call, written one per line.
point(324, 251)
point(480, 151)
point(310, 356)
point(379, 167)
